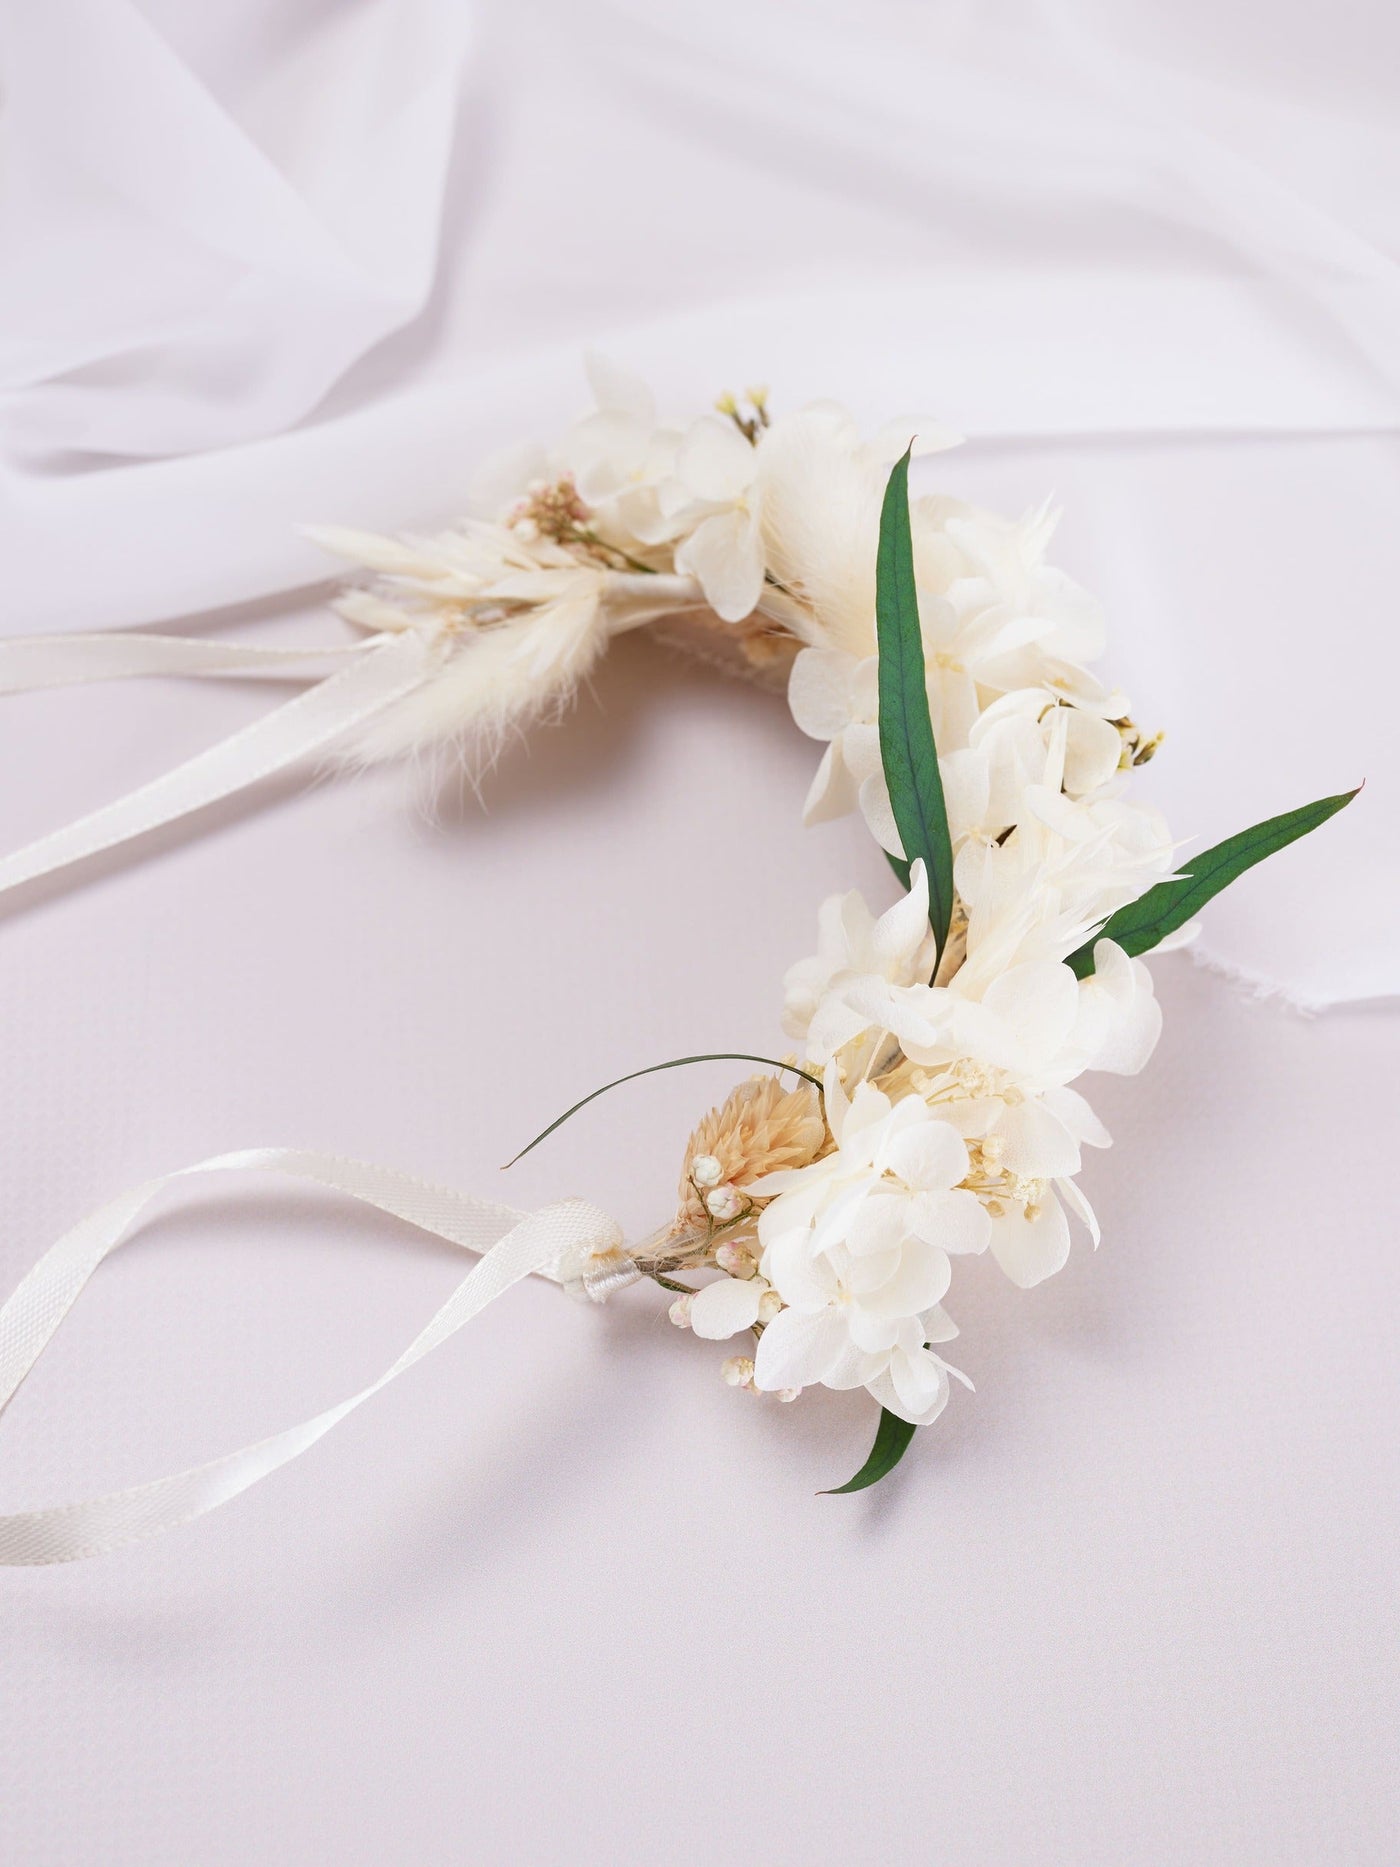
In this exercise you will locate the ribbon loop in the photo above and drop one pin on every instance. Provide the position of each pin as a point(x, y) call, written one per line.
point(515, 1245)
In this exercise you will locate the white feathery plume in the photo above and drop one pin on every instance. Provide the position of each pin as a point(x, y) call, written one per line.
point(515, 623)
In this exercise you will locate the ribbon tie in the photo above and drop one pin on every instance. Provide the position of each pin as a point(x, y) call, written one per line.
point(553, 1242)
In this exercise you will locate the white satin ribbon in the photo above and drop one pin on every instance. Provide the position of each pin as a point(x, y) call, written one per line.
point(515, 1244)
point(377, 672)
point(29, 662)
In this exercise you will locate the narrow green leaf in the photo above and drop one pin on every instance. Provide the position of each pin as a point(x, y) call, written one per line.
point(1139, 927)
point(676, 1063)
point(907, 751)
point(892, 1438)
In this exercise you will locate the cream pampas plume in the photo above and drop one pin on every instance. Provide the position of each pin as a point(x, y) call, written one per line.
point(514, 624)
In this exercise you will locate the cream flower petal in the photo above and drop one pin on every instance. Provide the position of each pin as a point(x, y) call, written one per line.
point(1030, 1250)
point(902, 934)
point(1069, 1107)
point(820, 691)
point(833, 1024)
point(801, 1277)
point(1072, 1196)
point(856, 925)
point(832, 1224)
point(1039, 1001)
point(878, 812)
point(853, 1367)
point(1092, 751)
point(1122, 988)
point(929, 1157)
point(715, 461)
point(938, 1325)
point(726, 1306)
point(869, 1109)
point(871, 1333)
point(883, 1389)
point(864, 1272)
point(797, 1350)
point(921, 1381)
point(832, 792)
point(1035, 1143)
point(725, 555)
point(860, 747)
point(967, 791)
point(955, 1221)
point(922, 1280)
point(879, 1224)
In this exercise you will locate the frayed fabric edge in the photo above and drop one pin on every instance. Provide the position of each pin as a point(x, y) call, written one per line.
point(1259, 988)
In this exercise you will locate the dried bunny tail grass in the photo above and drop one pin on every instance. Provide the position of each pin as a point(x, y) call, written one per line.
point(491, 683)
point(760, 1128)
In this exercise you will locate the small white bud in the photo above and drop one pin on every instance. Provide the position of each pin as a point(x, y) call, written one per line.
point(736, 1259)
point(705, 1170)
point(737, 1371)
point(768, 1305)
point(679, 1312)
point(724, 1203)
point(786, 1394)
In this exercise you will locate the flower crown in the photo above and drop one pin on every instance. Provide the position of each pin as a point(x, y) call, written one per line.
point(928, 1111)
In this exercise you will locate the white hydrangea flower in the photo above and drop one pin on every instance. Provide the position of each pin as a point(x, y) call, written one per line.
point(853, 944)
point(1013, 745)
point(998, 1068)
point(727, 1306)
point(857, 1246)
point(834, 696)
point(1045, 889)
point(620, 456)
point(616, 458)
point(1119, 1017)
point(714, 499)
point(800, 500)
point(1011, 601)
point(986, 755)
point(822, 488)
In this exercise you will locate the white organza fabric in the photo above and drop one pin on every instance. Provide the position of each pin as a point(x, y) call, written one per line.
point(276, 264)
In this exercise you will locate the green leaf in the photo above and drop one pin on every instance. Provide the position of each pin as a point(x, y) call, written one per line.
point(1139, 927)
point(907, 751)
point(892, 1438)
point(676, 1063)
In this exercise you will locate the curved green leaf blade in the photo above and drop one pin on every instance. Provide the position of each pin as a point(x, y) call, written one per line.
point(907, 751)
point(892, 1438)
point(676, 1063)
point(1138, 927)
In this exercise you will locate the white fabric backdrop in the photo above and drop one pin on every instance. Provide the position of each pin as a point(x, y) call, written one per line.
point(271, 264)
point(275, 263)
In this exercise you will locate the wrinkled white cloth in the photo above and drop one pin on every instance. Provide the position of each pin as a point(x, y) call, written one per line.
point(286, 263)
